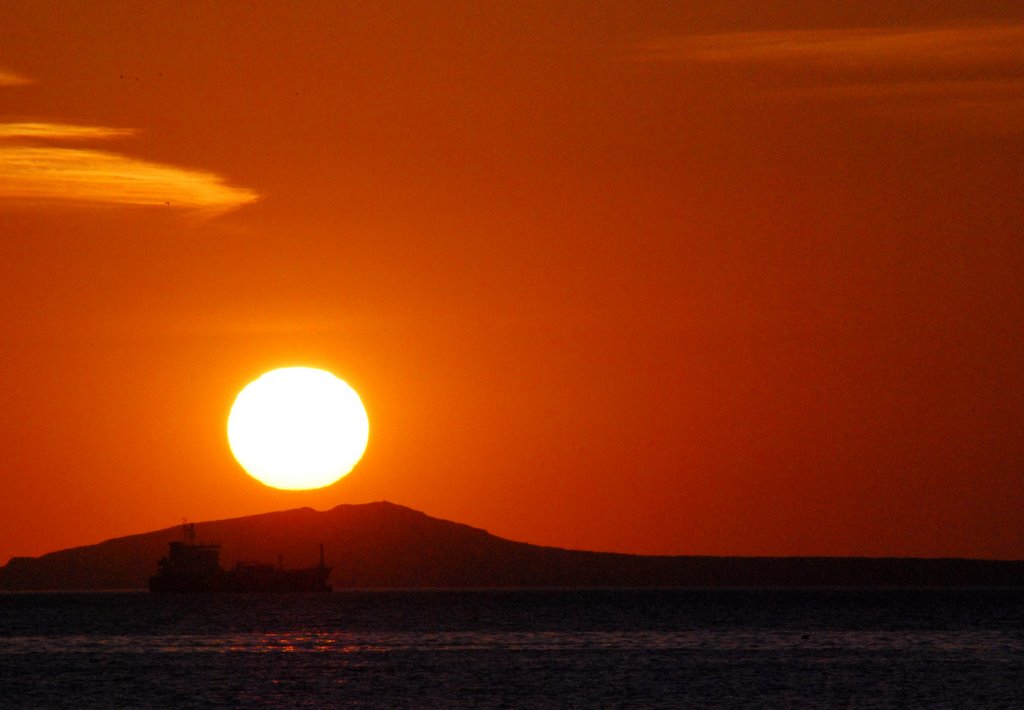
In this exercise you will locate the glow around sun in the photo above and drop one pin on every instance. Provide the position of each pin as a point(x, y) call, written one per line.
point(298, 428)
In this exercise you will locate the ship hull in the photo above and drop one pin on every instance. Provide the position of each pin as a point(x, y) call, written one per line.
point(311, 579)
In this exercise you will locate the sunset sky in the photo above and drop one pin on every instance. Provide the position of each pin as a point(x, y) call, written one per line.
point(656, 277)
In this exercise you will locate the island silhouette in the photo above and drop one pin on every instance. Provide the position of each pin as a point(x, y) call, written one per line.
point(387, 546)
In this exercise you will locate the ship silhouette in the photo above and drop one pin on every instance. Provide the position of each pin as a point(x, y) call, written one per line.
point(191, 567)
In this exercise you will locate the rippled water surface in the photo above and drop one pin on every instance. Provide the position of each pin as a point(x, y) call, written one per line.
point(686, 648)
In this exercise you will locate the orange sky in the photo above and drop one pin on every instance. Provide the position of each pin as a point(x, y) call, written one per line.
point(686, 278)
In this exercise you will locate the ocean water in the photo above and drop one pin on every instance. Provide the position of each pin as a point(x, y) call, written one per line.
point(517, 649)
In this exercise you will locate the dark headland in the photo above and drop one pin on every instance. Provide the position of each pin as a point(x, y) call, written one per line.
point(382, 545)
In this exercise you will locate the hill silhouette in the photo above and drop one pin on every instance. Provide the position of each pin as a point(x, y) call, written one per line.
point(383, 545)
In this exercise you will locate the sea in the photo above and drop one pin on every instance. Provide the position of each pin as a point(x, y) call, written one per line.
point(774, 648)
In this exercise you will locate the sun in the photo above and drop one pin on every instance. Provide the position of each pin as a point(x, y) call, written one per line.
point(298, 428)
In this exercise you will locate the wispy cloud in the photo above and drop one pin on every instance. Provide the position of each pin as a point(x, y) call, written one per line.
point(33, 170)
point(929, 48)
point(972, 71)
point(59, 130)
point(9, 78)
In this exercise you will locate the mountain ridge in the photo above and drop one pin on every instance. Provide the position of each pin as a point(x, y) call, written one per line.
point(386, 545)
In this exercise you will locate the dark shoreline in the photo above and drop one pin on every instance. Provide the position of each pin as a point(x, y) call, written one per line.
point(386, 546)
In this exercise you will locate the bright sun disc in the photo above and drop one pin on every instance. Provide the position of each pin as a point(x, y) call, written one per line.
point(298, 428)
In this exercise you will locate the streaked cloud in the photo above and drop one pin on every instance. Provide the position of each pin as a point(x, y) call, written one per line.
point(31, 169)
point(963, 72)
point(9, 78)
point(930, 48)
point(59, 130)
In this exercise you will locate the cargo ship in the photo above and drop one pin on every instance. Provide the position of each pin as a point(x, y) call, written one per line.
point(191, 567)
